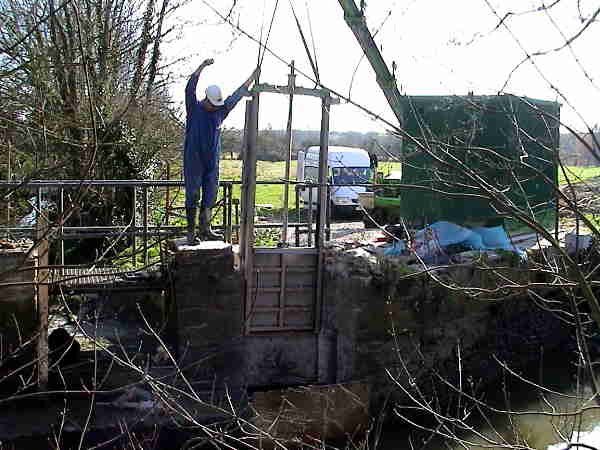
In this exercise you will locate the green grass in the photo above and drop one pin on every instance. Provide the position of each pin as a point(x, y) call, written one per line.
point(578, 173)
point(573, 173)
point(266, 171)
point(386, 167)
point(274, 171)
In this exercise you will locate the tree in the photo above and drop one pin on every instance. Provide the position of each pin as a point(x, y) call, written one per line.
point(83, 86)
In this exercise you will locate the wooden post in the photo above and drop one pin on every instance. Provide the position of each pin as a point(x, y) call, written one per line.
point(323, 172)
point(41, 285)
point(245, 180)
point(323, 207)
point(288, 157)
point(248, 200)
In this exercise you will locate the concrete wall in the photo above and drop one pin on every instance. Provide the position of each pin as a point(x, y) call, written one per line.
point(212, 341)
point(375, 324)
point(406, 328)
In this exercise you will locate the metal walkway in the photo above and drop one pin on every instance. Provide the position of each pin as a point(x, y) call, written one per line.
point(105, 278)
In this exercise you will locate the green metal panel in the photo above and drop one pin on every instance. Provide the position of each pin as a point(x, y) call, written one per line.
point(477, 144)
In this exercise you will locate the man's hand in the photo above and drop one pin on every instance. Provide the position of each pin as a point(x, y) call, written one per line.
point(206, 62)
point(252, 77)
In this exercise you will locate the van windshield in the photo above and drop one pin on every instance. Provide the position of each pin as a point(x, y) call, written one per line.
point(351, 175)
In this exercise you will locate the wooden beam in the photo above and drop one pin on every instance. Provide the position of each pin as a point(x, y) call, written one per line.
point(249, 196)
point(288, 155)
point(298, 90)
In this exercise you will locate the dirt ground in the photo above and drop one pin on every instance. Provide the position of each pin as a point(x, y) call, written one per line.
point(586, 194)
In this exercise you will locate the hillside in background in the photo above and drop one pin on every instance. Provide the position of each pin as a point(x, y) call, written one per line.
point(271, 143)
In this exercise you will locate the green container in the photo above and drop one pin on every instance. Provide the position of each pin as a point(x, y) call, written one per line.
point(478, 145)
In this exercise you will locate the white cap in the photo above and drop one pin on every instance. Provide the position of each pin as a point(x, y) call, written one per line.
point(214, 96)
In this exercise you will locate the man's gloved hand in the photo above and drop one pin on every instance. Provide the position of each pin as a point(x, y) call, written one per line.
point(206, 62)
point(252, 77)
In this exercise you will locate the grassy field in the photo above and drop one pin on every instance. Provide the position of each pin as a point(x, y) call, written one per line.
point(573, 173)
point(578, 173)
point(274, 171)
point(266, 171)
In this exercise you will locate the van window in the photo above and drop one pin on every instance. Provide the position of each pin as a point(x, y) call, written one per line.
point(351, 175)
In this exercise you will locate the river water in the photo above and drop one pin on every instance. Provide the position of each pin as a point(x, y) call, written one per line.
point(536, 423)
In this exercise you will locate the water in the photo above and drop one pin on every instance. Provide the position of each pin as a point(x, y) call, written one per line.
point(542, 419)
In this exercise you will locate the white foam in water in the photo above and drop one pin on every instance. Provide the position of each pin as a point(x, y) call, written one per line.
point(590, 438)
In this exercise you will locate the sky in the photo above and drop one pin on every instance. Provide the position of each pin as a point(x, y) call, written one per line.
point(440, 48)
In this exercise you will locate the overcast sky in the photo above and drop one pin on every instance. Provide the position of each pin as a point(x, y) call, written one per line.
point(439, 46)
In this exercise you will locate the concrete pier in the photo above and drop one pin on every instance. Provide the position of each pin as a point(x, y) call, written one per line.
point(17, 298)
point(371, 323)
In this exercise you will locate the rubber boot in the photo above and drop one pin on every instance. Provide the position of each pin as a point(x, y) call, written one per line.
point(206, 233)
point(191, 225)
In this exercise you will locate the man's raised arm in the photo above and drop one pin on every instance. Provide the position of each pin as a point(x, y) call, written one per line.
point(190, 88)
point(234, 98)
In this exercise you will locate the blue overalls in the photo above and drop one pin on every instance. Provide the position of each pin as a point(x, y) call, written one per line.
point(203, 145)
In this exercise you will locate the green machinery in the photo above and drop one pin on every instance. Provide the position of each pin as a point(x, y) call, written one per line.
point(466, 159)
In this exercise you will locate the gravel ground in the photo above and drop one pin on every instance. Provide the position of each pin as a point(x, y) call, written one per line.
point(347, 231)
point(586, 193)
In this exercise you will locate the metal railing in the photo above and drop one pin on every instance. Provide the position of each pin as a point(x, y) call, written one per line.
point(145, 225)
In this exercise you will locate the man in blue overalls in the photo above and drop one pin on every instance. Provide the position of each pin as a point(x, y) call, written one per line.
point(201, 150)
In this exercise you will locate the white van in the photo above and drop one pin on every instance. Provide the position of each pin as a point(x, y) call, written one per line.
point(346, 165)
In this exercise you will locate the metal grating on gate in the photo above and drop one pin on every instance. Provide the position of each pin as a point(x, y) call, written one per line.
point(282, 295)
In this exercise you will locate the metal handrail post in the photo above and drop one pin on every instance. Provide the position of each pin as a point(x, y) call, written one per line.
point(229, 215)
point(224, 211)
point(296, 230)
point(133, 226)
point(9, 178)
point(237, 219)
point(145, 224)
point(61, 218)
point(168, 196)
point(310, 215)
point(328, 215)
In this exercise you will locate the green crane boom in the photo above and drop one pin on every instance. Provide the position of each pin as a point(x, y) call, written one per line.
point(387, 82)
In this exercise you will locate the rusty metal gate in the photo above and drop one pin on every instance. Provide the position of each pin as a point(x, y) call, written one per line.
point(282, 294)
point(283, 284)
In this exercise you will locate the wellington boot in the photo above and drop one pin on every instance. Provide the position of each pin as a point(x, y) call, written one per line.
point(192, 239)
point(191, 225)
point(205, 232)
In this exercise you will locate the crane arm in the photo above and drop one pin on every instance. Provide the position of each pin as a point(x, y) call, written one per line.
point(387, 82)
